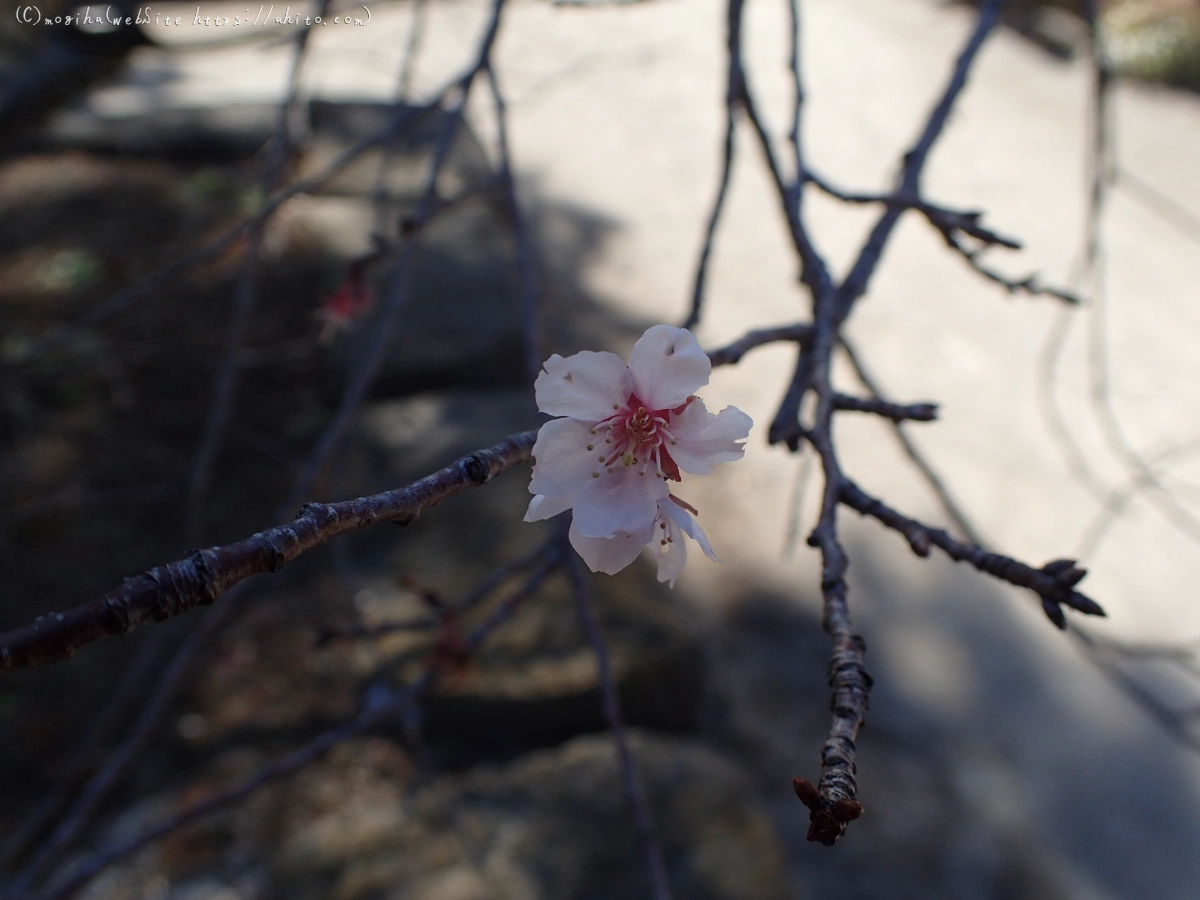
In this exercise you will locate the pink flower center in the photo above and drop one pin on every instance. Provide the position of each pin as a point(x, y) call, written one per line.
point(636, 435)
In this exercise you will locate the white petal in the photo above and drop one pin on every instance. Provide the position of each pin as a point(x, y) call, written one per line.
point(584, 386)
point(608, 555)
point(684, 520)
point(623, 501)
point(668, 366)
point(563, 462)
point(673, 556)
point(543, 507)
point(702, 440)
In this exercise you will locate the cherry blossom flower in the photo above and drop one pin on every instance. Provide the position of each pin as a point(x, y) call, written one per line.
point(624, 434)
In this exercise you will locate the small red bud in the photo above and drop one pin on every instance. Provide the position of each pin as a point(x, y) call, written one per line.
point(806, 792)
point(847, 810)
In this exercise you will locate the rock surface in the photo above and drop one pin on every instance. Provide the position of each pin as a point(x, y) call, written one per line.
point(553, 825)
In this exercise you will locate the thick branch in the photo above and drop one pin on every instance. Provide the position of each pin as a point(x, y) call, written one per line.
point(177, 587)
point(833, 803)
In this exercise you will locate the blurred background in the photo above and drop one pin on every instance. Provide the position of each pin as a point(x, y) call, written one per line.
point(1001, 757)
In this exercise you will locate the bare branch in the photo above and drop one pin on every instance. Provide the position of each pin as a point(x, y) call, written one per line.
point(158, 280)
point(1027, 285)
point(524, 251)
point(133, 682)
point(119, 761)
point(940, 217)
point(1054, 582)
point(398, 288)
point(177, 587)
point(952, 507)
point(1173, 721)
point(731, 354)
point(1170, 210)
point(919, 412)
point(855, 284)
point(732, 93)
point(478, 594)
point(180, 586)
point(244, 297)
point(381, 705)
point(635, 792)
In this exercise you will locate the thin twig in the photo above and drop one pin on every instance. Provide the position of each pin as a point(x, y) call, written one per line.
point(136, 676)
point(732, 93)
point(404, 79)
point(1170, 210)
point(244, 298)
point(1030, 284)
point(1052, 413)
point(521, 240)
point(914, 412)
point(122, 758)
point(941, 217)
point(1100, 391)
point(1054, 582)
point(635, 792)
point(796, 505)
point(400, 284)
point(1100, 656)
point(157, 281)
point(118, 762)
point(794, 136)
point(477, 595)
point(731, 354)
point(855, 284)
point(1116, 502)
point(951, 506)
point(377, 710)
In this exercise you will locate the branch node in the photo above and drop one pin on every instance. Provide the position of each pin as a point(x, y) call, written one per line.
point(477, 469)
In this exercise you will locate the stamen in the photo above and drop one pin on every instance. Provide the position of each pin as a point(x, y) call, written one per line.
point(683, 504)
